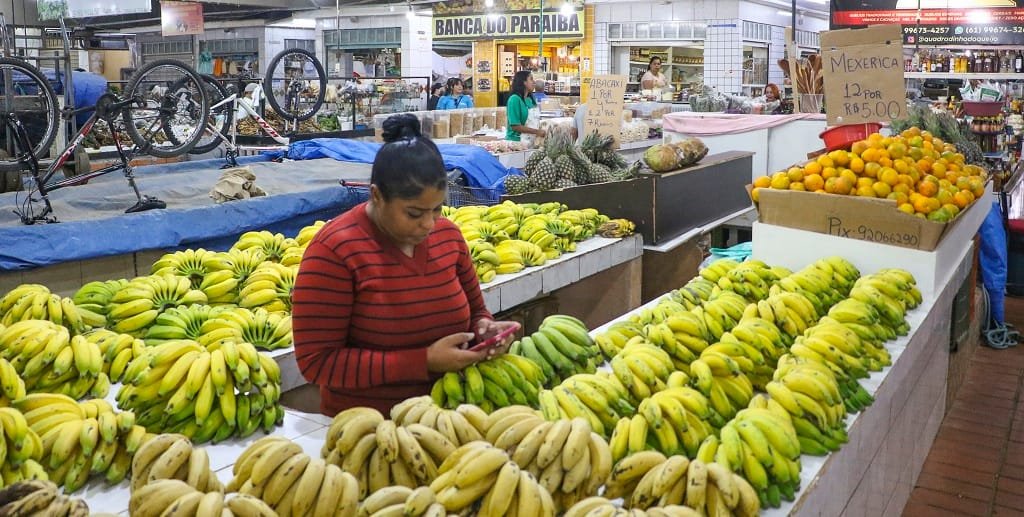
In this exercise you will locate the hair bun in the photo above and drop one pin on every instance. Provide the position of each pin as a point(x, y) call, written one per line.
point(400, 126)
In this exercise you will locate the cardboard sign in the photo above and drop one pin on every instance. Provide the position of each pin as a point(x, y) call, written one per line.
point(604, 106)
point(863, 71)
point(181, 18)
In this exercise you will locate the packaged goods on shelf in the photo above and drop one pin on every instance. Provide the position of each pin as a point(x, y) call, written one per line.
point(442, 126)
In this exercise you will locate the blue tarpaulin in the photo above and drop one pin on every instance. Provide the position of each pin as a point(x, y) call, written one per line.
point(480, 168)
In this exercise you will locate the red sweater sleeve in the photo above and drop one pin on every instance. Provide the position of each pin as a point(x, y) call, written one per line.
point(321, 311)
point(471, 285)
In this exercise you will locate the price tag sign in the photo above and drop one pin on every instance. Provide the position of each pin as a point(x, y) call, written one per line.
point(863, 74)
point(604, 106)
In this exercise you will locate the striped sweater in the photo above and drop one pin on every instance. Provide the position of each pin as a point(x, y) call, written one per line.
point(364, 313)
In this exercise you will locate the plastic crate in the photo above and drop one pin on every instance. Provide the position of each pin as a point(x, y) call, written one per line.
point(460, 194)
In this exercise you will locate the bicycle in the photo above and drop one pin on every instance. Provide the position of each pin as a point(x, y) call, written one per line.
point(300, 102)
point(177, 107)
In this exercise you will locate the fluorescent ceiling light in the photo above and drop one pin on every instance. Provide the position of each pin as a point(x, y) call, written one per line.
point(488, 3)
point(567, 9)
point(784, 13)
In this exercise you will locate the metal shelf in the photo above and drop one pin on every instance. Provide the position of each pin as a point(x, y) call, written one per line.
point(952, 75)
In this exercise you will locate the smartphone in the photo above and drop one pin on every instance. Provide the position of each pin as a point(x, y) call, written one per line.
point(494, 340)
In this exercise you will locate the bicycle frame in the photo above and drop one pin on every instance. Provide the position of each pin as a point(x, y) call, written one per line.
point(231, 146)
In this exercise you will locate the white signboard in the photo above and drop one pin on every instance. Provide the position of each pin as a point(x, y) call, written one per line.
point(90, 8)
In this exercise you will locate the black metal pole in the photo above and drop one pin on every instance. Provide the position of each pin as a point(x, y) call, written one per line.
point(793, 19)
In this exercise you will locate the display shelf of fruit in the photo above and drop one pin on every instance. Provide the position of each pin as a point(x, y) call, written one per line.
point(562, 164)
point(924, 175)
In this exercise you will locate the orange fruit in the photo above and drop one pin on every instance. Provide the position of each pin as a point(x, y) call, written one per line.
point(763, 182)
point(814, 182)
point(890, 176)
point(843, 185)
point(939, 169)
point(865, 192)
point(795, 174)
point(872, 169)
point(926, 188)
point(780, 180)
point(830, 185)
point(869, 155)
point(922, 206)
point(896, 150)
point(881, 189)
point(755, 194)
point(939, 215)
point(915, 141)
point(848, 175)
point(899, 197)
point(902, 188)
point(952, 209)
point(864, 182)
point(797, 185)
point(977, 187)
point(906, 208)
point(859, 147)
point(960, 200)
point(839, 157)
point(829, 172)
point(857, 165)
point(812, 168)
point(825, 161)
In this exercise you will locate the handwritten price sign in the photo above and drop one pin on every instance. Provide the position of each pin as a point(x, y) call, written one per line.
point(604, 107)
point(863, 72)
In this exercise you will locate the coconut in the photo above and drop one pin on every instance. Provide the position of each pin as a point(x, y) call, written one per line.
point(661, 158)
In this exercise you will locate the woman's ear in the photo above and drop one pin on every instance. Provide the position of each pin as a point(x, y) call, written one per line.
point(375, 195)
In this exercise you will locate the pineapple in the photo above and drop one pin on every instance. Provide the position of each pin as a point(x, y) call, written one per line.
point(544, 174)
point(599, 173)
point(598, 149)
point(533, 160)
point(564, 183)
point(515, 184)
point(564, 167)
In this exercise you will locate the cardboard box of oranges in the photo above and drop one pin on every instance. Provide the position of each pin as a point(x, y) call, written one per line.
point(905, 190)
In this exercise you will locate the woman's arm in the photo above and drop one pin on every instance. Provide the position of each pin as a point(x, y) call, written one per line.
point(321, 310)
point(526, 129)
point(647, 81)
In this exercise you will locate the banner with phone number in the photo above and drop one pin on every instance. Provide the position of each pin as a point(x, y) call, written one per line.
point(977, 22)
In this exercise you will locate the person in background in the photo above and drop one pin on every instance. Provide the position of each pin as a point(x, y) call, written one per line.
point(387, 298)
point(578, 122)
point(436, 91)
point(518, 107)
point(538, 91)
point(454, 99)
point(771, 98)
point(653, 78)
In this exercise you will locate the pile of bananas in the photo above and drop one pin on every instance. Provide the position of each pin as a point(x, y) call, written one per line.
point(172, 456)
point(208, 325)
point(81, 439)
point(269, 286)
point(568, 459)
point(823, 283)
point(615, 337)
point(40, 497)
point(721, 379)
point(196, 265)
point(494, 383)
point(695, 292)
point(891, 292)
point(751, 279)
point(12, 386)
point(808, 391)
point(642, 368)
point(273, 246)
point(51, 361)
point(306, 234)
point(228, 389)
point(117, 349)
point(561, 347)
point(222, 285)
point(616, 228)
point(792, 313)
point(185, 322)
point(36, 302)
point(485, 260)
point(758, 341)
point(507, 256)
point(460, 426)
point(163, 496)
point(599, 506)
point(277, 472)
point(402, 501)
point(761, 443)
point(137, 304)
point(20, 448)
point(93, 298)
point(673, 421)
point(599, 398)
point(379, 453)
point(480, 474)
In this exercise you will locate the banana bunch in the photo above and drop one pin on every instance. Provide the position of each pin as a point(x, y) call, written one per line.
point(611, 341)
point(460, 426)
point(585, 222)
point(829, 333)
point(569, 460)
point(277, 472)
point(494, 383)
point(192, 264)
point(519, 251)
point(672, 421)
point(600, 507)
point(762, 444)
point(262, 329)
point(717, 269)
point(269, 286)
point(172, 456)
point(792, 313)
point(537, 229)
point(616, 228)
point(811, 395)
point(508, 214)
point(484, 231)
point(721, 313)
point(92, 300)
point(561, 347)
point(306, 234)
point(81, 439)
point(228, 389)
point(222, 285)
point(823, 283)
point(891, 295)
point(21, 449)
point(137, 305)
point(720, 378)
point(272, 245)
point(49, 360)
point(598, 398)
point(464, 215)
point(175, 497)
point(855, 397)
point(752, 279)
point(697, 291)
point(480, 474)
point(36, 302)
point(485, 260)
point(706, 487)
point(380, 453)
point(642, 367)
point(40, 497)
point(117, 350)
point(664, 309)
point(12, 386)
point(396, 501)
point(757, 337)
point(185, 322)
point(751, 361)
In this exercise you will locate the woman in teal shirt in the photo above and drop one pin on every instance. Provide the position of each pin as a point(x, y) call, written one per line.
point(518, 107)
point(455, 99)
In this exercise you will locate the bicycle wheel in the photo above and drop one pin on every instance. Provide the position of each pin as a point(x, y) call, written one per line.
point(27, 94)
point(300, 83)
point(220, 116)
point(172, 108)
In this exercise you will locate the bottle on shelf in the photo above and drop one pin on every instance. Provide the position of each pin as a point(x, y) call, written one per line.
point(915, 62)
point(1018, 62)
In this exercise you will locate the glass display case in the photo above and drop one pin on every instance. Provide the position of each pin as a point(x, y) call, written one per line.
point(358, 100)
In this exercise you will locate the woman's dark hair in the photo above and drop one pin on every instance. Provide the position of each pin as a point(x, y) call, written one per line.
point(435, 87)
point(519, 84)
point(651, 62)
point(408, 162)
point(452, 81)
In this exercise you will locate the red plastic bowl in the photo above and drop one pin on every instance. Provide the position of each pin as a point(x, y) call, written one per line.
point(982, 109)
point(842, 137)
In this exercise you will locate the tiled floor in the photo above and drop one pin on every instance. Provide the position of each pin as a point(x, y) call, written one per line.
point(976, 465)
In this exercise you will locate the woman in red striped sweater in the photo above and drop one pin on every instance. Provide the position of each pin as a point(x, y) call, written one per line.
point(387, 297)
